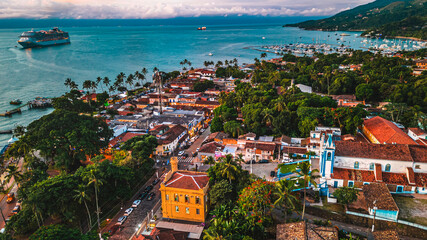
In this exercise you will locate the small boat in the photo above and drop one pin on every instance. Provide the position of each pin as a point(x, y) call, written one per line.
point(344, 34)
point(263, 37)
point(210, 54)
point(201, 28)
point(15, 102)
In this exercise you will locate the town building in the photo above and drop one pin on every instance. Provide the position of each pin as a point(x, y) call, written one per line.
point(171, 139)
point(418, 135)
point(305, 231)
point(380, 202)
point(184, 194)
point(381, 131)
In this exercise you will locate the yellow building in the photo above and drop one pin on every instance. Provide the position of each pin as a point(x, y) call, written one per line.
point(185, 194)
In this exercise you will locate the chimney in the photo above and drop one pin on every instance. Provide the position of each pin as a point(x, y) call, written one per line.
point(174, 164)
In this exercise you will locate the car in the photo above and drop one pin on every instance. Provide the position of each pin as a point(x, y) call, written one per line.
point(128, 211)
point(151, 196)
point(251, 161)
point(121, 220)
point(195, 154)
point(148, 188)
point(143, 195)
point(18, 203)
point(16, 209)
point(136, 203)
point(272, 174)
point(197, 149)
point(10, 197)
point(180, 153)
point(185, 155)
point(155, 181)
point(263, 161)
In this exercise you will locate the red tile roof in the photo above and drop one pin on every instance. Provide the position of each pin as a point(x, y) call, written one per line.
point(417, 131)
point(395, 178)
point(421, 179)
point(354, 175)
point(261, 146)
point(379, 192)
point(124, 137)
point(210, 147)
point(170, 135)
point(386, 235)
point(410, 175)
point(188, 180)
point(386, 131)
point(398, 152)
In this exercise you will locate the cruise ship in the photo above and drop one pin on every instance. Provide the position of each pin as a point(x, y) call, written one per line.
point(43, 38)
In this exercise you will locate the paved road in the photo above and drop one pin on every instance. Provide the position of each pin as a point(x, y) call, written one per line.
point(129, 227)
point(198, 142)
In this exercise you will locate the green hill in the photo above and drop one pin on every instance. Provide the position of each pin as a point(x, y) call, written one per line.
point(389, 18)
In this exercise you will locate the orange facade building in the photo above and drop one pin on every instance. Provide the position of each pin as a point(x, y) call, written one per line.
point(185, 194)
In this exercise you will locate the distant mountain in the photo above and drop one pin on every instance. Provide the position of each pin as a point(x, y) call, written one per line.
point(386, 18)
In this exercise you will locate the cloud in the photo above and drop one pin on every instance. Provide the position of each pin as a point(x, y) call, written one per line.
point(147, 9)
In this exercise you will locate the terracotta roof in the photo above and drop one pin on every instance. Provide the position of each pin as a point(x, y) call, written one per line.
point(354, 175)
point(207, 102)
point(422, 142)
point(378, 172)
point(421, 179)
point(395, 178)
point(170, 135)
point(261, 146)
point(251, 135)
point(379, 192)
point(217, 135)
point(210, 147)
point(417, 131)
point(399, 152)
point(188, 180)
point(410, 175)
point(298, 150)
point(386, 131)
point(386, 235)
point(303, 231)
point(124, 137)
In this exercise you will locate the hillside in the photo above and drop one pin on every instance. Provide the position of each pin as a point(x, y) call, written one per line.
point(389, 18)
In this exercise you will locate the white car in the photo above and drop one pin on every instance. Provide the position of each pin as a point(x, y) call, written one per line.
point(128, 211)
point(121, 220)
point(136, 203)
point(180, 153)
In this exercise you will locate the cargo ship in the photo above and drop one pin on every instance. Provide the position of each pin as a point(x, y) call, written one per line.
point(43, 38)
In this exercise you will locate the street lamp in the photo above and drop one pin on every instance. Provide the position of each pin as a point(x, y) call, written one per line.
point(375, 213)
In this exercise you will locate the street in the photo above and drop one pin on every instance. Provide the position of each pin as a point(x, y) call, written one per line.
point(192, 149)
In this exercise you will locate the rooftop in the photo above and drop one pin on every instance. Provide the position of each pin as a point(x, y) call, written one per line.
point(386, 235)
point(188, 180)
point(305, 231)
point(379, 192)
point(124, 137)
point(387, 132)
point(170, 135)
point(417, 131)
point(261, 146)
point(210, 147)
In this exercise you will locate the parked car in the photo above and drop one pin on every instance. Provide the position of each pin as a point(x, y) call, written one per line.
point(136, 203)
point(151, 196)
point(195, 154)
point(18, 203)
point(180, 153)
point(16, 209)
point(185, 155)
point(272, 174)
point(148, 188)
point(263, 161)
point(143, 195)
point(128, 211)
point(121, 220)
point(249, 162)
point(155, 181)
point(10, 197)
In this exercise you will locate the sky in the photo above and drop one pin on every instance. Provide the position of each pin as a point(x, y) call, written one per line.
point(160, 9)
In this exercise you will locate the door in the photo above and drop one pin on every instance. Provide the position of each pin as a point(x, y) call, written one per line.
point(399, 189)
point(335, 184)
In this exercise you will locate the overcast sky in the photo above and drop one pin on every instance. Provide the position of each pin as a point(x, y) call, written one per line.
point(147, 9)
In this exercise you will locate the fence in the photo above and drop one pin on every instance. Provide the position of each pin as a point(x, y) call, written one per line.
point(385, 219)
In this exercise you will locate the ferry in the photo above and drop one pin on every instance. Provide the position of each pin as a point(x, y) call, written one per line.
point(43, 38)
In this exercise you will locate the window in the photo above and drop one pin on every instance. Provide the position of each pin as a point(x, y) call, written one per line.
point(176, 209)
point(197, 200)
point(387, 167)
point(417, 167)
point(176, 198)
point(335, 184)
point(187, 210)
point(356, 165)
point(329, 156)
point(187, 199)
point(371, 166)
point(167, 197)
point(350, 184)
point(197, 211)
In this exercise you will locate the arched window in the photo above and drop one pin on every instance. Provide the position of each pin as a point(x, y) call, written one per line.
point(387, 167)
point(176, 198)
point(371, 166)
point(356, 165)
point(329, 156)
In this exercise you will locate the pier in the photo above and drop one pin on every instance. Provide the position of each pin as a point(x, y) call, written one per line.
point(38, 102)
point(6, 131)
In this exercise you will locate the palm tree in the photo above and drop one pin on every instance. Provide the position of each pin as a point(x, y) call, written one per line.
point(87, 84)
point(98, 81)
point(67, 82)
point(106, 82)
point(13, 171)
point(73, 85)
point(82, 196)
point(268, 117)
point(19, 131)
point(284, 192)
point(305, 174)
point(230, 168)
point(96, 181)
point(209, 160)
point(129, 80)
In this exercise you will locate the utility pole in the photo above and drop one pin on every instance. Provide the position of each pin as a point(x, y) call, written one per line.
point(4, 219)
point(375, 213)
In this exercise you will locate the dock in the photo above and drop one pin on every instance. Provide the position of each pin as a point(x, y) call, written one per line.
point(6, 131)
point(38, 102)
point(11, 112)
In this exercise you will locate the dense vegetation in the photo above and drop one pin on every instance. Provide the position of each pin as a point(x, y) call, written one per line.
point(66, 178)
point(271, 106)
point(387, 17)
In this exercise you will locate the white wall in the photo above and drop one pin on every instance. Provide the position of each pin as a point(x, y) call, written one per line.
point(348, 162)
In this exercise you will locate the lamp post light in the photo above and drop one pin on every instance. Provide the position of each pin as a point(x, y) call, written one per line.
point(375, 213)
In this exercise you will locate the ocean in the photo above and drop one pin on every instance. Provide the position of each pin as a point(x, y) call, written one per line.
point(118, 46)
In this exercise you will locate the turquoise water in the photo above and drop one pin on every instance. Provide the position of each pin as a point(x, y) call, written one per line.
point(106, 51)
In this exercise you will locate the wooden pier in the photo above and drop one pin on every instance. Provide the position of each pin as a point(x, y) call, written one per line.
point(11, 112)
point(39, 102)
